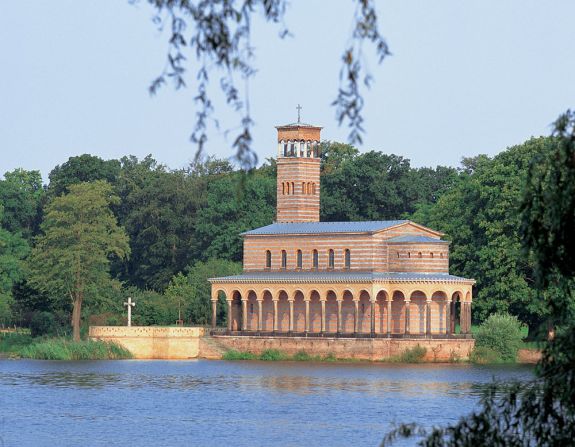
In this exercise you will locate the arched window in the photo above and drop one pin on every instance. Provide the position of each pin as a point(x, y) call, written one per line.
point(331, 259)
point(292, 149)
point(283, 188)
point(408, 254)
point(313, 188)
point(398, 254)
point(284, 259)
point(315, 259)
point(303, 187)
point(419, 255)
point(347, 258)
point(268, 259)
point(285, 149)
point(431, 254)
point(293, 187)
point(299, 259)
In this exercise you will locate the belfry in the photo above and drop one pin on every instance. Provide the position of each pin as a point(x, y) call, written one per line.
point(306, 278)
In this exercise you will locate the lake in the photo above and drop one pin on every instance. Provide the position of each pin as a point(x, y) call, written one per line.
point(220, 403)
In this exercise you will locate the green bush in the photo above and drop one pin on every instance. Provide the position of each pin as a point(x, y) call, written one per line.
point(272, 355)
point(485, 355)
point(502, 334)
point(43, 323)
point(302, 356)
point(232, 354)
point(412, 355)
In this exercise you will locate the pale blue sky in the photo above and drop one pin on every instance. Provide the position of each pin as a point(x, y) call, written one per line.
point(466, 77)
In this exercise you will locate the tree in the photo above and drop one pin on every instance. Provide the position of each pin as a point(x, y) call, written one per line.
point(542, 411)
point(83, 168)
point(216, 33)
point(159, 210)
point(80, 234)
point(193, 290)
point(375, 186)
point(21, 194)
point(481, 217)
point(235, 203)
point(13, 249)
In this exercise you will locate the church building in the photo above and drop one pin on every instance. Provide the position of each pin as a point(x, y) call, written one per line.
point(303, 277)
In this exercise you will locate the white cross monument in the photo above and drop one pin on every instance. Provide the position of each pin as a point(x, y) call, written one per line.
point(130, 304)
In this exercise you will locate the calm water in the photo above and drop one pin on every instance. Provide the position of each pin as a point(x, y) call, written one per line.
point(217, 403)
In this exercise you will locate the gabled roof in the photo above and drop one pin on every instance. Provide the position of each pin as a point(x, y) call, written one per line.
point(339, 276)
point(326, 227)
point(416, 238)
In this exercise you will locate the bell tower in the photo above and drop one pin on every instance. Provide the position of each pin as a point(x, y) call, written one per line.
point(298, 165)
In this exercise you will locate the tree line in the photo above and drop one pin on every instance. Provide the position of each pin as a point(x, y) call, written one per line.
point(102, 230)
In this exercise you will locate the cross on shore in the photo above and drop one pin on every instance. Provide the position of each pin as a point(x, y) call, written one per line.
point(130, 304)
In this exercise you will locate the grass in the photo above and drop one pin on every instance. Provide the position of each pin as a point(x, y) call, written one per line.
point(24, 346)
point(274, 355)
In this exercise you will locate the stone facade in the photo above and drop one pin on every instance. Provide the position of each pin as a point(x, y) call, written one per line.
point(384, 279)
point(374, 349)
point(149, 342)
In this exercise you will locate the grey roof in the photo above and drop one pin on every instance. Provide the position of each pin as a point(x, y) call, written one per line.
point(297, 125)
point(338, 276)
point(326, 227)
point(415, 238)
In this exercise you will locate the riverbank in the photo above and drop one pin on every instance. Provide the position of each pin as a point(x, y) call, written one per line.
point(18, 345)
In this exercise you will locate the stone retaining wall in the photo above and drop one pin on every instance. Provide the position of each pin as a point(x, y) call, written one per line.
point(438, 350)
point(149, 342)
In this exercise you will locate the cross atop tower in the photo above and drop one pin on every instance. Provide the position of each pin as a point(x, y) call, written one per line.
point(298, 113)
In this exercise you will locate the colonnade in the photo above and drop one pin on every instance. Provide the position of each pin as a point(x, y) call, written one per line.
point(431, 312)
point(298, 148)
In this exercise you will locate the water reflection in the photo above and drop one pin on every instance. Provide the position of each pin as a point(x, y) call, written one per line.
point(236, 403)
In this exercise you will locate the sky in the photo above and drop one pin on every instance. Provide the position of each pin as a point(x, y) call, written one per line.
point(465, 78)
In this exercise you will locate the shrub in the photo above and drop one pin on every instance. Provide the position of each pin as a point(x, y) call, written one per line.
point(502, 334)
point(413, 355)
point(43, 323)
point(302, 356)
point(272, 355)
point(232, 354)
point(483, 355)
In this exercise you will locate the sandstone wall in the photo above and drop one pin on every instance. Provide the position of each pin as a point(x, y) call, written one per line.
point(148, 342)
point(365, 349)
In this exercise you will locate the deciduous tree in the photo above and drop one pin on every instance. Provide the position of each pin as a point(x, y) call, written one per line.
point(71, 258)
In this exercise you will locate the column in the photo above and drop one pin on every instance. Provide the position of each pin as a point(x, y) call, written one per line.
point(372, 316)
point(275, 314)
point(230, 315)
point(448, 317)
point(214, 312)
point(307, 322)
point(407, 317)
point(244, 313)
point(339, 319)
point(355, 315)
point(428, 317)
point(280, 147)
point(291, 314)
point(389, 300)
point(260, 313)
point(322, 315)
point(463, 317)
